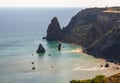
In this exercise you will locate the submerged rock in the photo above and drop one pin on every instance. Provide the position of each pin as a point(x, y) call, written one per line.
point(33, 68)
point(107, 65)
point(32, 63)
point(52, 66)
point(101, 65)
point(49, 54)
point(40, 49)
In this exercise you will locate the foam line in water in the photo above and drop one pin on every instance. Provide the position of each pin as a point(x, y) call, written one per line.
point(78, 50)
point(88, 69)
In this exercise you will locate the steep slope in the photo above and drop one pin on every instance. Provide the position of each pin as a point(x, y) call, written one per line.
point(108, 46)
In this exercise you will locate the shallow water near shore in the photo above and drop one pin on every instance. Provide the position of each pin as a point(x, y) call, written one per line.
point(21, 32)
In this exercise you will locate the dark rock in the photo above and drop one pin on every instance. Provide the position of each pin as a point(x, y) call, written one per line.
point(59, 47)
point(51, 66)
point(106, 65)
point(54, 30)
point(40, 49)
point(117, 68)
point(32, 63)
point(101, 65)
point(33, 68)
point(63, 46)
point(83, 28)
point(49, 54)
point(44, 38)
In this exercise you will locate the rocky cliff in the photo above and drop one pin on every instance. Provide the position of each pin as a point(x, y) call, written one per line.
point(97, 30)
point(88, 25)
point(107, 47)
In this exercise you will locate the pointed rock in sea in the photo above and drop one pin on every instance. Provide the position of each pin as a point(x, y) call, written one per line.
point(41, 49)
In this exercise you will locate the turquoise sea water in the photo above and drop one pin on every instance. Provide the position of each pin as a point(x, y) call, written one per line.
point(21, 31)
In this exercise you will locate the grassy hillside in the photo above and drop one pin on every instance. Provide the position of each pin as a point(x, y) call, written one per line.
point(100, 79)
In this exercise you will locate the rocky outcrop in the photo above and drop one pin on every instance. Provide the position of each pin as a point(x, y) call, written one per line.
point(107, 47)
point(54, 30)
point(88, 25)
point(40, 49)
point(59, 46)
point(96, 30)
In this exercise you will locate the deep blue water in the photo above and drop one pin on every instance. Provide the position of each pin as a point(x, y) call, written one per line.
point(21, 31)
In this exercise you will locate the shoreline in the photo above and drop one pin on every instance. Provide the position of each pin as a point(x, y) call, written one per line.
point(113, 67)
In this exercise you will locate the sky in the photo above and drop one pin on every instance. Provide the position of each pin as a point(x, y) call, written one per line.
point(59, 3)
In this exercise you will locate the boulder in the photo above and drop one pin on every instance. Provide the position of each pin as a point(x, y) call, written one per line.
point(32, 63)
point(107, 65)
point(33, 68)
point(43, 37)
point(40, 49)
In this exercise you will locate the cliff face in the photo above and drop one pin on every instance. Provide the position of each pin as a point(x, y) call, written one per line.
point(108, 46)
point(54, 30)
point(89, 25)
point(97, 31)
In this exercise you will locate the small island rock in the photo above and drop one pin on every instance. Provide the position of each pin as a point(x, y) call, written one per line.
point(40, 49)
point(59, 47)
point(44, 38)
point(33, 68)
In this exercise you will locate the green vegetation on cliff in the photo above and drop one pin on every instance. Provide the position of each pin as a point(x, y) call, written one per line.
point(100, 79)
point(97, 79)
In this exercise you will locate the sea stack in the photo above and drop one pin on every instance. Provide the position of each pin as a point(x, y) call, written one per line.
point(54, 30)
point(59, 47)
point(40, 49)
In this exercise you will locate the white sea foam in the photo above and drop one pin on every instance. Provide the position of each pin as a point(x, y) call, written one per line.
point(89, 69)
point(78, 50)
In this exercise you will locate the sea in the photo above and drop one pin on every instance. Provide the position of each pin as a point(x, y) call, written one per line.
point(21, 32)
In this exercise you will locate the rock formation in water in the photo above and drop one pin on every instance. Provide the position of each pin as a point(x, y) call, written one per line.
point(96, 29)
point(40, 49)
point(59, 46)
point(54, 30)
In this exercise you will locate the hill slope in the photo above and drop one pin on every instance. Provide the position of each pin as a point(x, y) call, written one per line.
point(96, 30)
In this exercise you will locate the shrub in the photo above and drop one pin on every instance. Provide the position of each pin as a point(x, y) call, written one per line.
point(97, 79)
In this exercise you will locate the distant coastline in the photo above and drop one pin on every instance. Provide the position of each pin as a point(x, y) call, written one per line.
point(93, 28)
